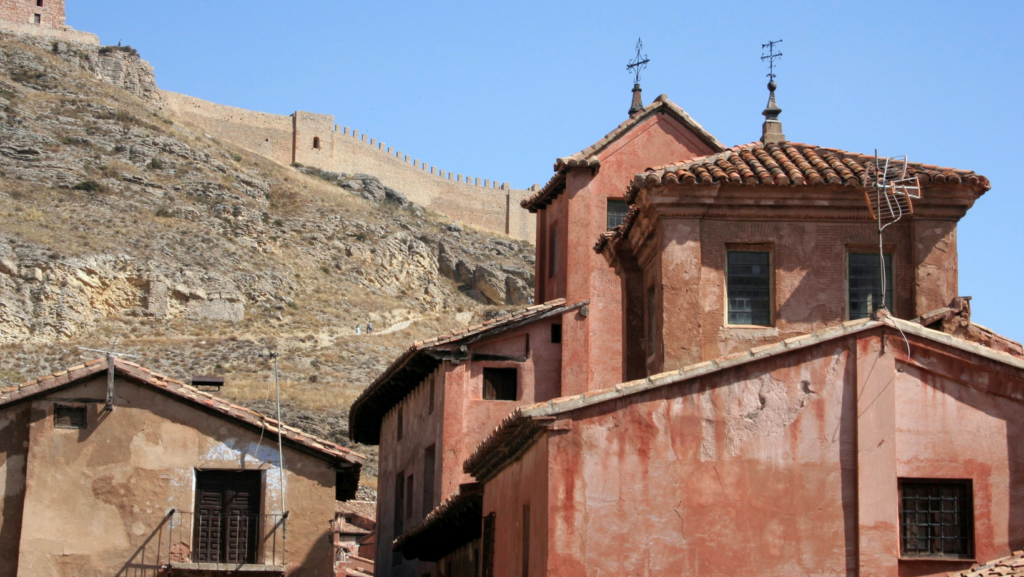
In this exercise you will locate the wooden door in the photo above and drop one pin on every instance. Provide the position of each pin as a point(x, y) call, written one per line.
point(227, 516)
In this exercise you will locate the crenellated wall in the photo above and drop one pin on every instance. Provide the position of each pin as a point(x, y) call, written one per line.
point(314, 140)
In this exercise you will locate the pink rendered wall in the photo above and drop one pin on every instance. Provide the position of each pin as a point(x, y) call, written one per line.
point(460, 421)
point(524, 482)
point(809, 281)
point(583, 207)
point(786, 466)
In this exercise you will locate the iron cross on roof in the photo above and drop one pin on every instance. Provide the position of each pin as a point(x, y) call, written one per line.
point(771, 56)
point(638, 63)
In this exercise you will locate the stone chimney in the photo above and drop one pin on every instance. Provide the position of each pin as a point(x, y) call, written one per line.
point(638, 103)
point(771, 130)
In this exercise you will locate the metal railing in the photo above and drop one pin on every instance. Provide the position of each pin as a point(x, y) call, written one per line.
point(224, 539)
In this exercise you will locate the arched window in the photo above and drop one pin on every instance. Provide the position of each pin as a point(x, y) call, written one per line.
point(316, 142)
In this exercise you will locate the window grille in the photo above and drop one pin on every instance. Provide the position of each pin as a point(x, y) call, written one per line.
point(500, 384)
point(936, 518)
point(617, 210)
point(866, 284)
point(749, 288)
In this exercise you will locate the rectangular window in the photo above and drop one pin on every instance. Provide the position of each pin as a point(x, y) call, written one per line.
point(39, 3)
point(430, 399)
point(650, 321)
point(409, 488)
point(552, 250)
point(400, 426)
point(556, 333)
point(865, 278)
point(429, 457)
point(526, 540)
point(69, 416)
point(399, 504)
point(617, 210)
point(749, 288)
point(487, 570)
point(500, 384)
point(936, 518)
point(38, 19)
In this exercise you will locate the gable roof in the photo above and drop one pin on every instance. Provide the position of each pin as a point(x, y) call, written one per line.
point(517, 432)
point(407, 371)
point(587, 158)
point(179, 391)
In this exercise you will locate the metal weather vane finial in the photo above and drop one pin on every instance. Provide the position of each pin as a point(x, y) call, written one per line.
point(771, 56)
point(638, 63)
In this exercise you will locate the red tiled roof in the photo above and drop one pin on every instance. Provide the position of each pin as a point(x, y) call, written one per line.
point(789, 164)
point(451, 524)
point(407, 371)
point(1012, 566)
point(783, 164)
point(189, 395)
point(587, 158)
point(517, 431)
point(365, 509)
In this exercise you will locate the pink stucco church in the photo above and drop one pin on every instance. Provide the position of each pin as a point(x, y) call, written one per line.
point(716, 382)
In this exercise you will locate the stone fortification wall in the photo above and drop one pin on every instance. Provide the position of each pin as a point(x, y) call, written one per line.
point(27, 17)
point(269, 135)
point(314, 140)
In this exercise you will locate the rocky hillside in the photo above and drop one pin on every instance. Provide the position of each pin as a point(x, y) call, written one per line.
point(122, 227)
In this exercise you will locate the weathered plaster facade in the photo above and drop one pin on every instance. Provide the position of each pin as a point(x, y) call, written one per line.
point(460, 419)
point(786, 462)
point(118, 496)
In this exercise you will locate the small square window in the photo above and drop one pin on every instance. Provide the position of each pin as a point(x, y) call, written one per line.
point(38, 19)
point(556, 333)
point(617, 210)
point(749, 288)
point(69, 416)
point(500, 384)
point(39, 3)
point(936, 518)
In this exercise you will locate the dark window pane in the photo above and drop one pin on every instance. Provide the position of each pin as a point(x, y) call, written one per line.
point(935, 519)
point(69, 417)
point(865, 277)
point(616, 212)
point(556, 333)
point(749, 287)
point(500, 384)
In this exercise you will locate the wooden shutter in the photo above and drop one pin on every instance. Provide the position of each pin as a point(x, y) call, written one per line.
point(226, 516)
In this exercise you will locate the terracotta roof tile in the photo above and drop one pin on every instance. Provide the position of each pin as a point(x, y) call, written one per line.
point(587, 158)
point(788, 164)
point(1012, 566)
point(181, 391)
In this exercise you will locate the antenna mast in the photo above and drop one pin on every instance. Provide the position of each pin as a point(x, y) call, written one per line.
point(890, 195)
point(111, 355)
point(280, 445)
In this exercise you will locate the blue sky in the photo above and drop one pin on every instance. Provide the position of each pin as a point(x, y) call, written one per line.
point(499, 90)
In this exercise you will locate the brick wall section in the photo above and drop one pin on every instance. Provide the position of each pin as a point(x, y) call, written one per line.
point(287, 139)
point(18, 16)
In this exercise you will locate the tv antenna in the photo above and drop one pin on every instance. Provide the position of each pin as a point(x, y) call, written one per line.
point(111, 355)
point(890, 195)
point(280, 425)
